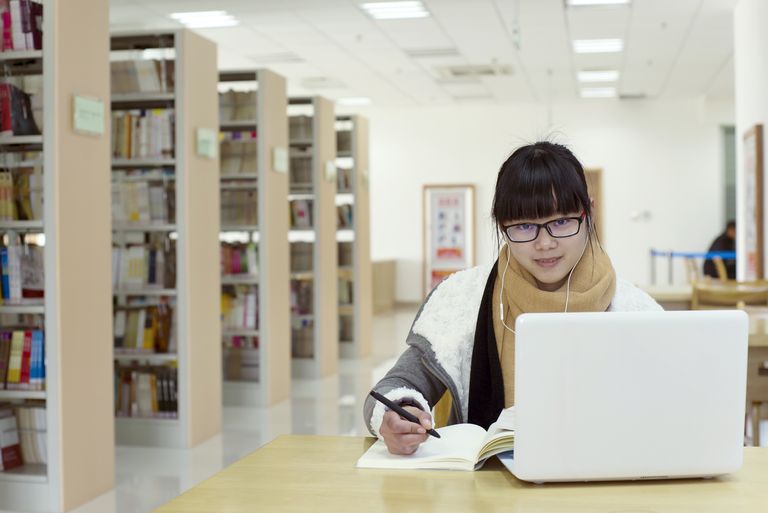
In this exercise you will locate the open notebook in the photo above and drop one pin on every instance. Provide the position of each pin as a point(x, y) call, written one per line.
point(461, 447)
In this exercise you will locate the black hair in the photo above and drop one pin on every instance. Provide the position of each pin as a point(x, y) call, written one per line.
point(731, 225)
point(540, 180)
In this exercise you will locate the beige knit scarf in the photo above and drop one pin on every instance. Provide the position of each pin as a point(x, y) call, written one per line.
point(592, 288)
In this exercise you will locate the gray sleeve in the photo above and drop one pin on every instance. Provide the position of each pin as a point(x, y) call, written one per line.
point(409, 372)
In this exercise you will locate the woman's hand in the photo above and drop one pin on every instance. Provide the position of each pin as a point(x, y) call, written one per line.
point(403, 436)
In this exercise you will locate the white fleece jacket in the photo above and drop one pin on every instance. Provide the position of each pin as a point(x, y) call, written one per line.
point(448, 321)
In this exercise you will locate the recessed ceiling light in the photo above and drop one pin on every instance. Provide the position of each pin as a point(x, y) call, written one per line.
point(354, 100)
point(598, 92)
point(598, 45)
point(589, 3)
point(608, 75)
point(395, 10)
point(205, 19)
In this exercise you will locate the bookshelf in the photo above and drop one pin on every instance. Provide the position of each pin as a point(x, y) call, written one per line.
point(255, 296)
point(74, 315)
point(165, 261)
point(312, 200)
point(354, 240)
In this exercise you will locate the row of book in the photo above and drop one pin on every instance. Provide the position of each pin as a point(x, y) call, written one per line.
point(17, 112)
point(144, 266)
point(151, 329)
point(146, 391)
point(240, 307)
point(346, 328)
point(22, 273)
point(301, 256)
point(239, 259)
point(143, 134)
point(300, 128)
point(302, 339)
point(302, 297)
point(300, 174)
point(301, 213)
point(345, 254)
point(238, 155)
point(22, 360)
point(21, 194)
point(237, 106)
point(22, 25)
point(344, 179)
point(343, 141)
point(346, 288)
point(344, 216)
point(241, 363)
point(142, 201)
point(142, 76)
point(239, 207)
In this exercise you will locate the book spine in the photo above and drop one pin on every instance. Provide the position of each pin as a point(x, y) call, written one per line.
point(6, 284)
point(26, 361)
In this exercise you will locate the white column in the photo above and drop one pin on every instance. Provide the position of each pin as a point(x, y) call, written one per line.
point(751, 91)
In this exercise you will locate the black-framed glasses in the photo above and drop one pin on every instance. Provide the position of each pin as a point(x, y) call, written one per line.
point(558, 228)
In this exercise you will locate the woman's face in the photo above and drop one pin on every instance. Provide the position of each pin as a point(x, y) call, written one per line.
point(549, 259)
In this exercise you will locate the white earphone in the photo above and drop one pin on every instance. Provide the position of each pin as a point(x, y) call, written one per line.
point(504, 275)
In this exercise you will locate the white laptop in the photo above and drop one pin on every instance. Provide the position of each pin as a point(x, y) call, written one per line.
point(636, 395)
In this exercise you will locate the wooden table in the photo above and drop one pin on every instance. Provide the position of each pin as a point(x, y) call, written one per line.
point(314, 474)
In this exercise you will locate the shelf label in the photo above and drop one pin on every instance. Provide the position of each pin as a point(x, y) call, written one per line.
point(280, 159)
point(87, 115)
point(207, 142)
point(330, 171)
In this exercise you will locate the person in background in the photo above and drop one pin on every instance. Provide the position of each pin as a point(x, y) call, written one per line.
point(726, 241)
point(462, 339)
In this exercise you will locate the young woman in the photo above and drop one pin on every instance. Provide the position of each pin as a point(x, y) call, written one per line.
point(462, 339)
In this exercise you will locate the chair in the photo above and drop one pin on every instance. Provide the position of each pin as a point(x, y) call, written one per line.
point(693, 271)
point(722, 272)
point(757, 387)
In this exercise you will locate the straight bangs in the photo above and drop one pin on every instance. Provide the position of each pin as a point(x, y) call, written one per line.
point(538, 184)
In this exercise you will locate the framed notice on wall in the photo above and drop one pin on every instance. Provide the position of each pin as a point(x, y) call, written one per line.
point(448, 231)
point(753, 203)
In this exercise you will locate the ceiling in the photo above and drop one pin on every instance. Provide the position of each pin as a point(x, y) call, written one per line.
point(672, 48)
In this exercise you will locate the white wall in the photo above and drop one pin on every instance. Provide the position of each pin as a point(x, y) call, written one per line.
point(659, 157)
point(750, 84)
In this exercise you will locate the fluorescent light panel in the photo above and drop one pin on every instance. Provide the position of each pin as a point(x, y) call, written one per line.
point(205, 19)
point(608, 75)
point(598, 45)
point(598, 92)
point(590, 3)
point(395, 10)
point(356, 100)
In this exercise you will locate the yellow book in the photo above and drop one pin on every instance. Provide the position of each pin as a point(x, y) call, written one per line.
point(14, 360)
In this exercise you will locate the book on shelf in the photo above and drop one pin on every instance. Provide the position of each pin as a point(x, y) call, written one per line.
point(300, 173)
point(143, 134)
point(10, 449)
point(22, 360)
point(238, 153)
point(300, 128)
point(21, 194)
point(302, 338)
point(345, 254)
point(146, 391)
point(237, 106)
point(144, 330)
point(346, 328)
point(239, 207)
point(344, 216)
point(239, 259)
point(22, 23)
point(142, 201)
point(346, 287)
point(241, 363)
point(22, 279)
point(142, 76)
point(343, 179)
point(240, 307)
point(460, 447)
point(301, 213)
point(144, 266)
point(343, 141)
point(301, 256)
point(32, 424)
point(302, 297)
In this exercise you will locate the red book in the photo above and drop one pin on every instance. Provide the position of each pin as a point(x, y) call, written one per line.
point(5, 17)
point(26, 358)
point(6, 122)
point(10, 450)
